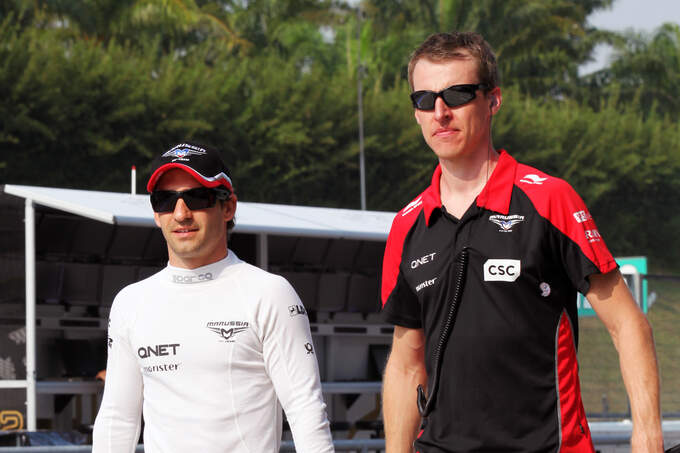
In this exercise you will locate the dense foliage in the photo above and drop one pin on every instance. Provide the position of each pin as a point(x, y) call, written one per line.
point(89, 88)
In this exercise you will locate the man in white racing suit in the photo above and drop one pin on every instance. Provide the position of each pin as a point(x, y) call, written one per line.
point(210, 348)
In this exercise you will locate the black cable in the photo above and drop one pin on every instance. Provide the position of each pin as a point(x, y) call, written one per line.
point(425, 403)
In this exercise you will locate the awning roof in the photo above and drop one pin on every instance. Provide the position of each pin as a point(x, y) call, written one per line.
point(135, 210)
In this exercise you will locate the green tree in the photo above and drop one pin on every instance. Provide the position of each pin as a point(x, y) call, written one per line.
point(281, 102)
point(623, 164)
point(175, 23)
point(260, 22)
point(646, 67)
point(541, 58)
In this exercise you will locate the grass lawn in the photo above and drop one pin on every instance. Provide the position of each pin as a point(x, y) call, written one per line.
point(598, 360)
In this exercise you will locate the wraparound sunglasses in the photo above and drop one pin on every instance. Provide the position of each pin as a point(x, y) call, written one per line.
point(452, 96)
point(197, 198)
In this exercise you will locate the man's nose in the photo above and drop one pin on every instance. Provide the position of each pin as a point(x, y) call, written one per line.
point(181, 211)
point(442, 112)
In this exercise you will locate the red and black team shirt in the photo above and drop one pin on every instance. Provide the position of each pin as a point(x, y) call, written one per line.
point(509, 375)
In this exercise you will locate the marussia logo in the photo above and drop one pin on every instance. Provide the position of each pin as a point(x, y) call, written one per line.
point(232, 329)
point(412, 205)
point(506, 222)
point(533, 179)
point(184, 150)
point(227, 334)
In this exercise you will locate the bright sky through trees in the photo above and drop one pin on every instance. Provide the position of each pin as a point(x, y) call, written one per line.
point(639, 16)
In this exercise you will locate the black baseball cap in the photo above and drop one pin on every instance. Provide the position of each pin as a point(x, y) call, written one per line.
point(203, 163)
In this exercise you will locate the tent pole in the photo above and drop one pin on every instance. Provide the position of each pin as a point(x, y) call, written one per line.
point(30, 316)
point(262, 251)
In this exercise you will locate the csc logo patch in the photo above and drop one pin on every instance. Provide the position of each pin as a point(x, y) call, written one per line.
point(502, 270)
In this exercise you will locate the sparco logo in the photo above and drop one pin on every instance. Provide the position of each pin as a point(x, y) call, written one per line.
point(227, 329)
point(502, 270)
point(411, 206)
point(533, 179)
point(192, 278)
point(506, 222)
point(157, 350)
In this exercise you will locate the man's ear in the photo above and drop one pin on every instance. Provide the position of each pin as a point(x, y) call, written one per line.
point(229, 208)
point(415, 113)
point(495, 100)
point(156, 219)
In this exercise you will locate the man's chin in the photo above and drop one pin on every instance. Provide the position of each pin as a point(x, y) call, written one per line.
point(447, 154)
point(184, 251)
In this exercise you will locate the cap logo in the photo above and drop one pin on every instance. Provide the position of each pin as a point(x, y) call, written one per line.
point(184, 150)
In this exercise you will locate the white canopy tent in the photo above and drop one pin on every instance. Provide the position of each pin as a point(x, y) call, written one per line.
point(260, 219)
point(257, 218)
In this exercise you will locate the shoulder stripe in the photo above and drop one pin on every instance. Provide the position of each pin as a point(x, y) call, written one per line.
point(556, 201)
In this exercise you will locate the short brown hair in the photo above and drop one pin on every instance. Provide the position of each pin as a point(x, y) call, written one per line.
point(447, 46)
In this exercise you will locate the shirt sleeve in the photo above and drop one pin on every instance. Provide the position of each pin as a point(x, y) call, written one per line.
point(290, 360)
point(578, 242)
point(118, 423)
point(402, 307)
point(399, 304)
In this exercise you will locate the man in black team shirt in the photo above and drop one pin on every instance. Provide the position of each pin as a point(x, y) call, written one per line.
point(501, 249)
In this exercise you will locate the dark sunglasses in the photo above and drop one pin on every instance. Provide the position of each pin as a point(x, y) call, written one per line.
point(198, 198)
point(453, 96)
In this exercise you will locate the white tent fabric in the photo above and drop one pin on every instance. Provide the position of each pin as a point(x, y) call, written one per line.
point(257, 218)
point(135, 210)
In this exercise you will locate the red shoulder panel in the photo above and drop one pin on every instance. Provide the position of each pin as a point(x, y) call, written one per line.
point(401, 225)
point(558, 202)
